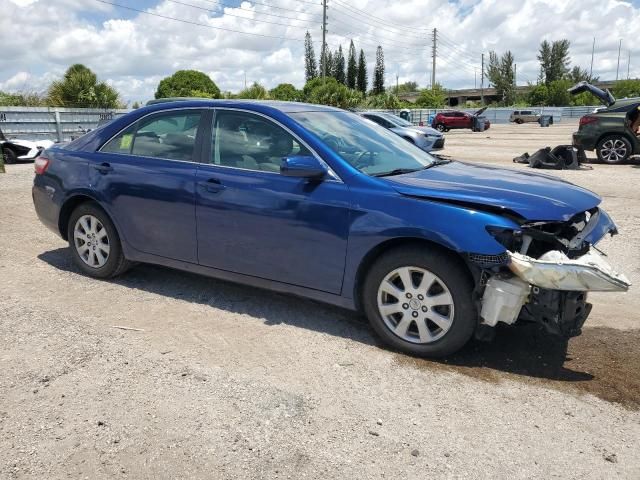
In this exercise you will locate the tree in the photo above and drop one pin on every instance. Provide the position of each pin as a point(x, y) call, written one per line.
point(135, 105)
point(361, 77)
point(578, 74)
point(22, 99)
point(286, 92)
point(501, 74)
point(378, 72)
point(352, 67)
point(385, 100)
point(80, 87)
point(627, 89)
point(187, 83)
point(537, 95)
point(310, 67)
point(406, 87)
point(254, 92)
point(554, 60)
point(338, 66)
point(331, 92)
point(557, 95)
point(432, 97)
point(326, 63)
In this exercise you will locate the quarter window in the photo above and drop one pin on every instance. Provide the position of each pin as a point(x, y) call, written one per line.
point(243, 140)
point(170, 136)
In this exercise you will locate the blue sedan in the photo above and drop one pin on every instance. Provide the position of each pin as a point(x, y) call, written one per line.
point(321, 203)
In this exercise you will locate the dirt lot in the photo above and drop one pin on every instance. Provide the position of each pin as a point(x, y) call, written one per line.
point(224, 381)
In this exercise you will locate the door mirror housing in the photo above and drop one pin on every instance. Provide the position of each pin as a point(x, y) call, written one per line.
point(303, 166)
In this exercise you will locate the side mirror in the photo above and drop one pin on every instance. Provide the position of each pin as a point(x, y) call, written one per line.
point(302, 166)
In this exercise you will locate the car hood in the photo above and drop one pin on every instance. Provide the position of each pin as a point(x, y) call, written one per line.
point(532, 196)
point(604, 96)
point(418, 130)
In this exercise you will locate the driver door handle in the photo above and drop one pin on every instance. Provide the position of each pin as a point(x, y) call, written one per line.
point(212, 185)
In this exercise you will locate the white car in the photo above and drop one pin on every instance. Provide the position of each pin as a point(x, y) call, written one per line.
point(15, 150)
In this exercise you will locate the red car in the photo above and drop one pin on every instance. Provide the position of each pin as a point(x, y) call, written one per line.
point(445, 121)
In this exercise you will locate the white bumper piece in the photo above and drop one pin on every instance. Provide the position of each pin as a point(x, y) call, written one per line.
point(555, 271)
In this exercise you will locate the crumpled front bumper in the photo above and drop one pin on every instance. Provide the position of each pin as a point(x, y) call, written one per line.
point(555, 271)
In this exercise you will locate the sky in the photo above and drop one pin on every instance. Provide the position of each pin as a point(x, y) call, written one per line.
point(263, 40)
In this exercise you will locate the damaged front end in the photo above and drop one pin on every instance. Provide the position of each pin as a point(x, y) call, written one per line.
point(546, 272)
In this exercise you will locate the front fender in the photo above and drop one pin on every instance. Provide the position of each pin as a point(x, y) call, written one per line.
point(459, 229)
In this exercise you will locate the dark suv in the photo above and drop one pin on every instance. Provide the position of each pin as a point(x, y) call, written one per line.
point(445, 121)
point(608, 130)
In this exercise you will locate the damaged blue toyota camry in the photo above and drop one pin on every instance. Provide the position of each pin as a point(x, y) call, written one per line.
point(321, 203)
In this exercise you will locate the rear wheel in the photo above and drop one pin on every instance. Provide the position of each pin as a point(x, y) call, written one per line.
point(10, 156)
point(94, 242)
point(419, 301)
point(614, 149)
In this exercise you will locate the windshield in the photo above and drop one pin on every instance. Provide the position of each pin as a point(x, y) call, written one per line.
point(363, 144)
point(401, 122)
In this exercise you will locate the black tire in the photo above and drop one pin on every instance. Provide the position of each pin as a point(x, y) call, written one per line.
point(455, 277)
point(614, 149)
point(10, 156)
point(441, 128)
point(519, 121)
point(115, 264)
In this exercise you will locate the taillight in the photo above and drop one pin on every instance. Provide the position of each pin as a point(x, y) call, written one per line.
point(587, 119)
point(41, 164)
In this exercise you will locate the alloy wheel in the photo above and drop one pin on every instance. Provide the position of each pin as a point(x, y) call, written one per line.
point(91, 241)
point(613, 151)
point(415, 305)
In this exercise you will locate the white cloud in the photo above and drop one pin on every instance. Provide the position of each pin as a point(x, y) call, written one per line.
point(134, 51)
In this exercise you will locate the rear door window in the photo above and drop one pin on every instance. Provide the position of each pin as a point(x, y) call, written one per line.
point(170, 136)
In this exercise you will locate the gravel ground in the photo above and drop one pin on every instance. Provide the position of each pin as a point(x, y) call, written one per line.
point(225, 381)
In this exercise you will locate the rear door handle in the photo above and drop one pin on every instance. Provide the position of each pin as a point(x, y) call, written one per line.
point(212, 185)
point(104, 168)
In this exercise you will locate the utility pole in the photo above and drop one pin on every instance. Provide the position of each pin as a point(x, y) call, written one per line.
point(593, 49)
point(434, 52)
point(618, 67)
point(397, 84)
point(629, 65)
point(482, 83)
point(515, 74)
point(323, 55)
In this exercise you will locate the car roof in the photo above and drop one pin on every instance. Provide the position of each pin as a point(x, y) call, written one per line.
point(285, 107)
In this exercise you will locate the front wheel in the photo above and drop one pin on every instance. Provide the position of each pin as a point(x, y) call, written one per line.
point(614, 149)
point(419, 301)
point(94, 242)
point(519, 121)
point(440, 127)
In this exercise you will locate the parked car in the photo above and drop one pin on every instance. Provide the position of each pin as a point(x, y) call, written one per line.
point(426, 138)
point(445, 121)
point(15, 150)
point(322, 203)
point(609, 130)
point(524, 116)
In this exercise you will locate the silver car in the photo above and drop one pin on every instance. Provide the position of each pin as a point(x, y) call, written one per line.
point(427, 138)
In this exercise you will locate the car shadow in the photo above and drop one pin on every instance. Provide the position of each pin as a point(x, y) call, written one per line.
point(525, 350)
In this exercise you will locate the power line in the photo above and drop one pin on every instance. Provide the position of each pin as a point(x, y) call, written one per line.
point(223, 4)
point(167, 17)
point(239, 16)
point(402, 28)
point(378, 27)
point(274, 6)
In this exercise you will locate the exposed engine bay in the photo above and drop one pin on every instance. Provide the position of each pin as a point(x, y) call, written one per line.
point(546, 272)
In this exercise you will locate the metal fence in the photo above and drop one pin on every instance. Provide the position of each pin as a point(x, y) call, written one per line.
point(63, 124)
point(49, 123)
point(498, 115)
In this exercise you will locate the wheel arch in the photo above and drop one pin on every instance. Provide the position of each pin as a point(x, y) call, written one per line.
point(69, 206)
point(396, 243)
point(615, 134)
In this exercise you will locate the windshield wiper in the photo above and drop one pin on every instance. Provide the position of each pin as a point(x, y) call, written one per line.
point(438, 162)
point(397, 171)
